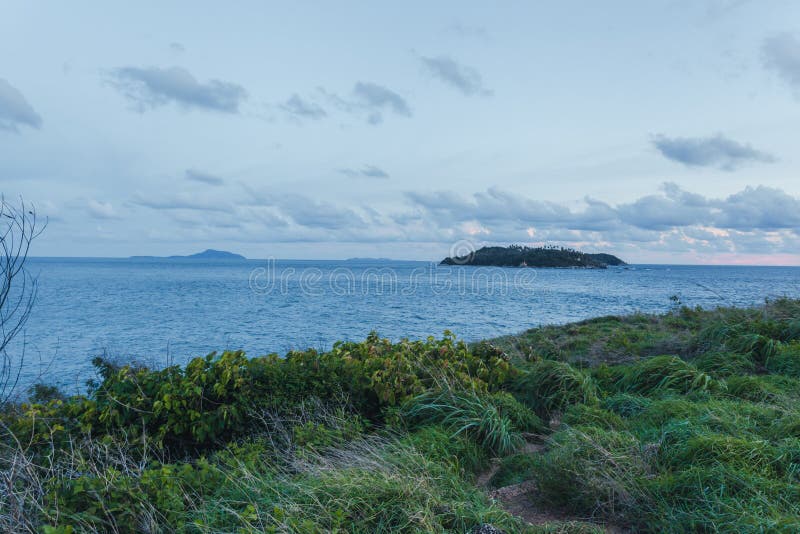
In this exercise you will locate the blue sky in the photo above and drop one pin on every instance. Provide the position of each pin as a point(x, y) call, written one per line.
point(660, 131)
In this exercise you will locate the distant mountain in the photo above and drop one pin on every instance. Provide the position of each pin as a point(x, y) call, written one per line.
point(519, 256)
point(369, 259)
point(208, 254)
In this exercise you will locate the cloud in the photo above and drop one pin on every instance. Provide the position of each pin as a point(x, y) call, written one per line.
point(671, 223)
point(203, 177)
point(752, 209)
point(303, 109)
point(716, 151)
point(181, 202)
point(101, 210)
point(15, 110)
point(461, 77)
point(307, 212)
point(177, 47)
point(151, 87)
point(781, 53)
point(761, 207)
point(469, 32)
point(376, 99)
point(368, 171)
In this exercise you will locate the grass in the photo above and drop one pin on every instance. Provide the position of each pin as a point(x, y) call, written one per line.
point(549, 386)
point(495, 422)
point(683, 422)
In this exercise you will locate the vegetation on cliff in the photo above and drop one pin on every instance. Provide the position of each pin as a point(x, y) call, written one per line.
point(682, 422)
point(520, 256)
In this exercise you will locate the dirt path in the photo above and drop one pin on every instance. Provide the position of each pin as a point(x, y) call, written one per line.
point(520, 499)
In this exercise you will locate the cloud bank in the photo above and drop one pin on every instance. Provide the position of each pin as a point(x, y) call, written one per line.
point(755, 220)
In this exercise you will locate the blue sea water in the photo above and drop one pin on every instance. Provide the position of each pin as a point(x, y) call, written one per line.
point(163, 311)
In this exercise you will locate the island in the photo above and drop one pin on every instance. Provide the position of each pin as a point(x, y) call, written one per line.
point(522, 256)
point(208, 254)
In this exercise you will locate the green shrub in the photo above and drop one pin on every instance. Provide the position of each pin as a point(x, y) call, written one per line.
point(197, 405)
point(581, 414)
point(513, 470)
point(787, 426)
point(707, 449)
point(522, 417)
point(786, 360)
point(626, 405)
point(592, 472)
point(469, 414)
point(720, 498)
point(753, 388)
point(549, 386)
point(438, 445)
point(724, 364)
point(665, 373)
point(661, 411)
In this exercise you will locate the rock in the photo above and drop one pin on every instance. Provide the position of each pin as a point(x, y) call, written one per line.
point(486, 529)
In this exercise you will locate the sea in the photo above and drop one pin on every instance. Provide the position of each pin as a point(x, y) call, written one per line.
point(161, 312)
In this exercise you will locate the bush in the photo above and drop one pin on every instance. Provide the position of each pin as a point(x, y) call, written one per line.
point(581, 414)
point(753, 388)
point(724, 364)
point(438, 444)
point(786, 360)
point(720, 498)
point(513, 470)
point(665, 373)
point(626, 405)
point(549, 386)
point(592, 471)
point(708, 449)
point(469, 414)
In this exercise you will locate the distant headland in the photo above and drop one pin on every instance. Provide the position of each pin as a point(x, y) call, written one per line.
point(208, 254)
point(520, 256)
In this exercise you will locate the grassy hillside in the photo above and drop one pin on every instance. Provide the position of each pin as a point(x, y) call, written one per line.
point(682, 422)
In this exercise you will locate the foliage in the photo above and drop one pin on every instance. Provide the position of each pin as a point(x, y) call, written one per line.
point(548, 256)
point(491, 424)
point(665, 373)
point(549, 386)
point(379, 436)
point(724, 364)
point(513, 470)
point(594, 471)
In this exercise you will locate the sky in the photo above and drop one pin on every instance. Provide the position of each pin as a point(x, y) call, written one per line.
point(663, 132)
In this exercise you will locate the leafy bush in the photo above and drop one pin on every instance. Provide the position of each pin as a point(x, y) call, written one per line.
point(549, 386)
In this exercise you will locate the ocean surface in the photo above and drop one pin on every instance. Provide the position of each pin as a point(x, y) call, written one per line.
point(166, 311)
